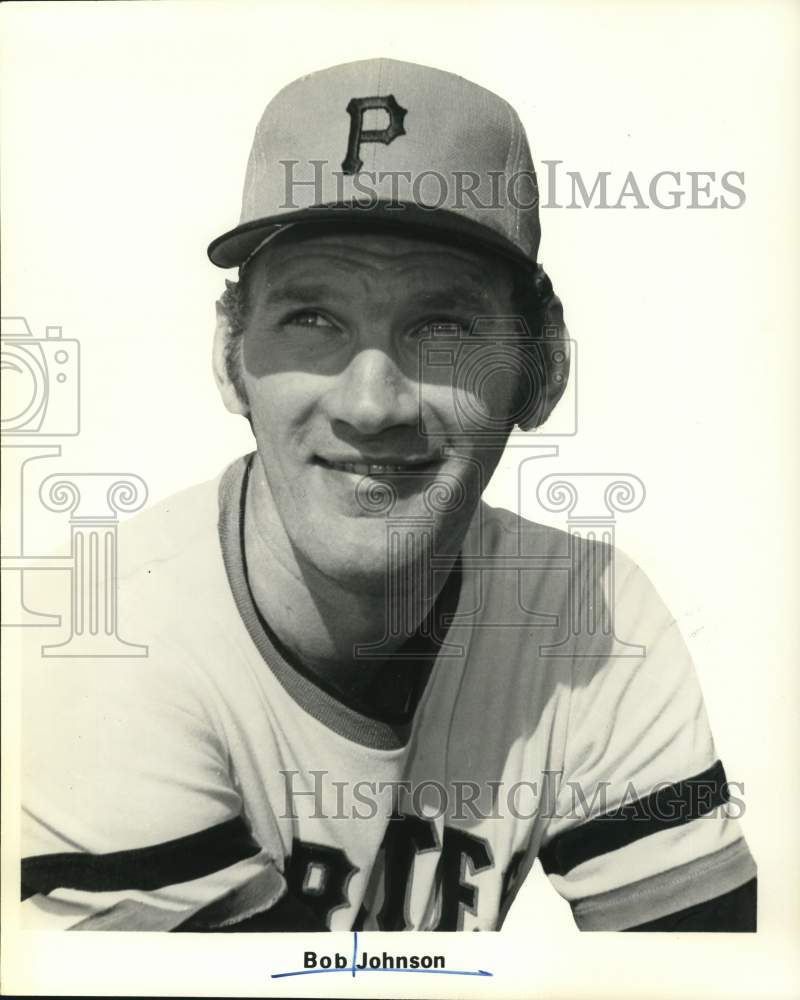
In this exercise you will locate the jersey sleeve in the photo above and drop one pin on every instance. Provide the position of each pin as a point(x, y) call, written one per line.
point(131, 819)
point(644, 822)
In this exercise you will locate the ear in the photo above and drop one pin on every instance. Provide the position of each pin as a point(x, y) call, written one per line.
point(554, 344)
point(231, 396)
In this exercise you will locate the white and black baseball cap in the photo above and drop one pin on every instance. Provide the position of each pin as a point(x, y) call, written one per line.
point(389, 142)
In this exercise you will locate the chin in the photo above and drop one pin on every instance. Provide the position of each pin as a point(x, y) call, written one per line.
point(355, 553)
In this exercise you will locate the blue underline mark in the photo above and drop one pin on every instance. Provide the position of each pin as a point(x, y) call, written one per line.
point(425, 972)
point(353, 969)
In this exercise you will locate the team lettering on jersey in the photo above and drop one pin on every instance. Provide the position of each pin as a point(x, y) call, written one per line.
point(319, 874)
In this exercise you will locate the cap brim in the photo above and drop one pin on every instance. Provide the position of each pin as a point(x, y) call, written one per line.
point(234, 247)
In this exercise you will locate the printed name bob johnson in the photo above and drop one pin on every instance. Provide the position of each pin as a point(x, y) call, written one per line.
point(370, 700)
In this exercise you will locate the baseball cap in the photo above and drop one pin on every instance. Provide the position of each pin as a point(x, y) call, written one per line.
point(394, 143)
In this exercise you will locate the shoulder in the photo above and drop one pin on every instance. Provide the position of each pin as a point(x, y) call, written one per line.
point(579, 576)
point(563, 558)
point(170, 530)
point(171, 566)
point(170, 574)
point(506, 532)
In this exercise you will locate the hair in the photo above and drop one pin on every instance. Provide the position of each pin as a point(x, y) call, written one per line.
point(234, 305)
point(533, 300)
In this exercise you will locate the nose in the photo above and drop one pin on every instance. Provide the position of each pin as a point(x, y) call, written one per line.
point(372, 394)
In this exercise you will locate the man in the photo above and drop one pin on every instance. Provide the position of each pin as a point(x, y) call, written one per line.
point(367, 703)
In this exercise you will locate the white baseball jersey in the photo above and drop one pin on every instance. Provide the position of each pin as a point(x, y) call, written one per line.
point(213, 780)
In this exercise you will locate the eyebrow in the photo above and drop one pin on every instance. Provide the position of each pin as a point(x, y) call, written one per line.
point(454, 299)
point(451, 299)
point(301, 292)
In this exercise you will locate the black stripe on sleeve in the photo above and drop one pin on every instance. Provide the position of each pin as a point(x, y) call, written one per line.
point(289, 914)
point(152, 867)
point(668, 807)
point(733, 912)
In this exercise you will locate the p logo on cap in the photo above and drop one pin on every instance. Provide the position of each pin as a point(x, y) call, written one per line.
point(356, 109)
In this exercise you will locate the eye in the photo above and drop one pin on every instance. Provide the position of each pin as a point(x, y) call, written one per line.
point(309, 318)
point(440, 327)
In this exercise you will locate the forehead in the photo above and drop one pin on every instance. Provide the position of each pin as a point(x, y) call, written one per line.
point(380, 256)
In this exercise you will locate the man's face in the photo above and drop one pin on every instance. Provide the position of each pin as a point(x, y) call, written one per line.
point(356, 423)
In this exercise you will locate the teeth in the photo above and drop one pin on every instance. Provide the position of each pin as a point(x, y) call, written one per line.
point(363, 469)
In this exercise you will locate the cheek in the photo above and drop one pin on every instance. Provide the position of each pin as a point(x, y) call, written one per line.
point(496, 391)
point(485, 388)
point(471, 405)
point(268, 408)
point(258, 355)
point(282, 406)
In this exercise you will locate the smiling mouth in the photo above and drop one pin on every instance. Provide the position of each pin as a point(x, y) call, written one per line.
point(381, 468)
